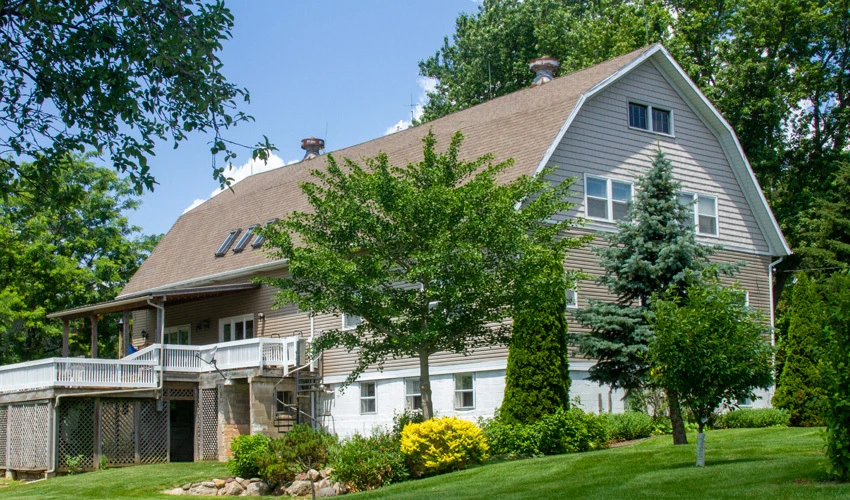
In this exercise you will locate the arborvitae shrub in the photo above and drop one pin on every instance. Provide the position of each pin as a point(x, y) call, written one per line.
point(836, 375)
point(800, 389)
point(537, 381)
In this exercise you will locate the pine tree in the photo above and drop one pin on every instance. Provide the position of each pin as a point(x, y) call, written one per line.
point(537, 381)
point(800, 389)
point(653, 247)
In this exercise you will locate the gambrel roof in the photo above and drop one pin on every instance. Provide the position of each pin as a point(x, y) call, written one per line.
point(526, 125)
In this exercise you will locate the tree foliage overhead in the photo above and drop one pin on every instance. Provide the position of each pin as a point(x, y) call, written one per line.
point(777, 71)
point(427, 255)
point(62, 245)
point(116, 77)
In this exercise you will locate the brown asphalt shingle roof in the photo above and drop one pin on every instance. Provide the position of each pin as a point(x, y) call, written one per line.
point(521, 125)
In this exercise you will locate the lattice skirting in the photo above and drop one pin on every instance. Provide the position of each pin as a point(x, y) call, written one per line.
point(4, 427)
point(27, 436)
point(122, 431)
point(208, 425)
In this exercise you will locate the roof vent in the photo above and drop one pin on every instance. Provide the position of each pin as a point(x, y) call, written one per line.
point(545, 68)
point(312, 146)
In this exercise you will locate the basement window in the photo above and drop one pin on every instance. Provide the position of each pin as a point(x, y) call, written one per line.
point(243, 241)
point(222, 250)
point(368, 398)
point(465, 391)
point(412, 394)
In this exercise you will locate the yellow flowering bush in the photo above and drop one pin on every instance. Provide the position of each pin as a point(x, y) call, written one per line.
point(442, 444)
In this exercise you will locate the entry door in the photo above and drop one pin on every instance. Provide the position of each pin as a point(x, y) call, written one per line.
point(236, 328)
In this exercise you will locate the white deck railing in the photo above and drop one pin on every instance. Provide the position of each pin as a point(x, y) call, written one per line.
point(141, 369)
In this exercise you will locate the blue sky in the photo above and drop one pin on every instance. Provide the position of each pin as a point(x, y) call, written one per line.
point(342, 71)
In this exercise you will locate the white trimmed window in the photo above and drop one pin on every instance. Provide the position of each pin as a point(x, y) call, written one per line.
point(572, 298)
point(649, 118)
point(178, 335)
point(236, 328)
point(412, 394)
point(704, 210)
point(465, 391)
point(606, 199)
point(350, 321)
point(368, 398)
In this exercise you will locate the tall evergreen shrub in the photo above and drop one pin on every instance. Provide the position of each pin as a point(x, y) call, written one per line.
point(800, 389)
point(538, 377)
point(835, 368)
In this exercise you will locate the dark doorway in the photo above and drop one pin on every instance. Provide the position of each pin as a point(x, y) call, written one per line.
point(182, 421)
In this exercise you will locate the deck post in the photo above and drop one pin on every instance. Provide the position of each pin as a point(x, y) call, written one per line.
point(125, 335)
point(94, 336)
point(65, 331)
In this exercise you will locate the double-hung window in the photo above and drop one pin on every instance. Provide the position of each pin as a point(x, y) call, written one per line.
point(644, 117)
point(412, 394)
point(368, 398)
point(606, 199)
point(464, 391)
point(704, 210)
point(572, 298)
point(179, 335)
point(236, 328)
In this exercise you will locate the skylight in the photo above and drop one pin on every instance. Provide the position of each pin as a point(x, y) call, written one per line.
point(222, 250)
point(258, 242)
point(243, 241)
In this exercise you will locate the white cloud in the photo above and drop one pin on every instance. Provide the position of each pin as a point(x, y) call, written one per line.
point(248, 168)
point(426, 85)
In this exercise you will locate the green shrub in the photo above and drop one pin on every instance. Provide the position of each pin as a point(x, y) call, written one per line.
point(247, 452)
point(746, 418)
point(565, 431)
point(400, 421)
point(629, 425)
point(366, 463)
point(300, 449)
point(835, 367)
point(441, 445)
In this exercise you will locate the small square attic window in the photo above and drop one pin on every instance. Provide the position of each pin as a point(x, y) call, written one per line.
point(222, 250)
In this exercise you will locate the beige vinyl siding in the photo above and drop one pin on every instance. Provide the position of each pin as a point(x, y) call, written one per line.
point(600, 142)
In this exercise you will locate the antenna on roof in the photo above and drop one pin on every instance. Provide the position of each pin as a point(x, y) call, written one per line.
point(412, 109)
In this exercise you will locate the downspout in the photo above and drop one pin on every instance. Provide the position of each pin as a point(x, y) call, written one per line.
point(770, 269)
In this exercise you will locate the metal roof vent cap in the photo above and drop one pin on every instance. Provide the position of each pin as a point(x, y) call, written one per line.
point(312, 146)
point(545, 68)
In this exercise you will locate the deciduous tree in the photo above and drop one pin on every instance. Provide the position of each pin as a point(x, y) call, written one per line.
point(427, 255)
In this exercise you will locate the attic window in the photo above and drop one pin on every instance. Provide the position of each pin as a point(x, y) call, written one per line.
point(222, 250)
point(243, 241)
point(649, 118)
point(258, 242)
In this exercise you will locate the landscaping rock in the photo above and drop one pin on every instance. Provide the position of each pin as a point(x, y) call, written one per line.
point(299, 489)
point(187, 486)
point(219, 483)
point(206, 488)
point(327, 492)
point(175, 491)
point(314, 475)
point(257, 489)
point(232, 489)
point(324, 483)
point(301, 477)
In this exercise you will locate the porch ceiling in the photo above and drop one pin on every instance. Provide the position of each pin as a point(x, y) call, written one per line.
point(176, 295)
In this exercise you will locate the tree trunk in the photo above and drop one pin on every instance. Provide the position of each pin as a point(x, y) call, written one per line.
point(701, 447)
point(425, 386)
point(679, 436)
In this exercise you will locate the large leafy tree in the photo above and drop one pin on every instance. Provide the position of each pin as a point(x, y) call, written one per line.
point(427, 255)
point(652, 249)
point(709, 348)
point(114, 77)
point(63, 244)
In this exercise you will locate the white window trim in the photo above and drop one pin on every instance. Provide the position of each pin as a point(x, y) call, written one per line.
point(574, 305)
point(366, 398)
point(234, 319)
point(411, 395)
point(346, 328)
point(458, 391)
point(695, 211)
point(172, 329)
point(649, 119)
point(609, 190)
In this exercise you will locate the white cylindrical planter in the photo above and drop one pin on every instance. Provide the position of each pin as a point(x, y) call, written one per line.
point(701, 449)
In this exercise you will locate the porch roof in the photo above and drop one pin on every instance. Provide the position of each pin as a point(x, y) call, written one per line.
point(140, 301)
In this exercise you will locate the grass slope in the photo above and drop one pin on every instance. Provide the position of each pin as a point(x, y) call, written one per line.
point(744, 463)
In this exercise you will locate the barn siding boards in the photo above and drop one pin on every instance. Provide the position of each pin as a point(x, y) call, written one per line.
point(600, 142)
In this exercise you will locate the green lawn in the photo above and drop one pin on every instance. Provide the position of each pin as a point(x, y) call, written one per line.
point(746, 463)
